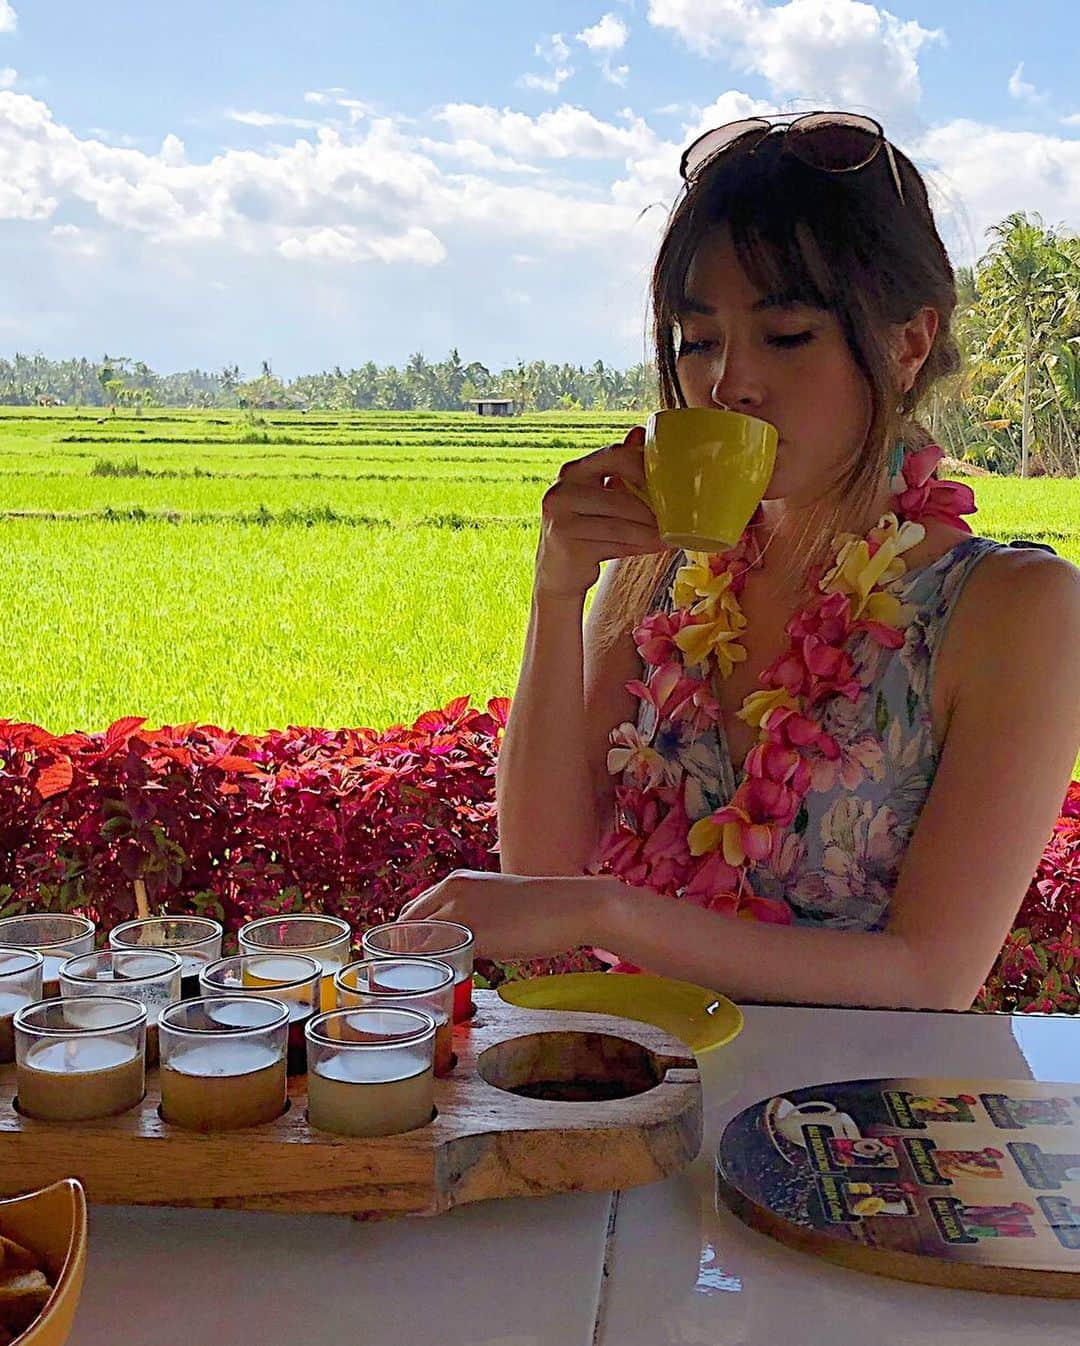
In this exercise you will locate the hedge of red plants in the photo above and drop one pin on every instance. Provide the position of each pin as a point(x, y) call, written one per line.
point(353, 822)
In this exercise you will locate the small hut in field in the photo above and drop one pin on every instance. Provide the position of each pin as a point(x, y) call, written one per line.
point(494, 406)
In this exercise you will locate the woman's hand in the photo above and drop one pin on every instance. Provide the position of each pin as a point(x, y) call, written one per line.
point(512, 915)
point(590, 516)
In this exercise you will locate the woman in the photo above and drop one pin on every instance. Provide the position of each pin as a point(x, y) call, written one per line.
point(857, 725)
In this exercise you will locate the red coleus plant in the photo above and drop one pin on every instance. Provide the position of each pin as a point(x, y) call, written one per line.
point(1038, 970)
point(353, 821)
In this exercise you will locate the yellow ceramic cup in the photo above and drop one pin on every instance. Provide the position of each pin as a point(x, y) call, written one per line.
point(706, 471)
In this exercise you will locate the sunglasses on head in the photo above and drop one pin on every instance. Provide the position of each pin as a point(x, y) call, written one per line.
point(834, 142)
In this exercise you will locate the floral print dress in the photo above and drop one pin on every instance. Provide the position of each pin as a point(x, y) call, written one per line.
point(838, 864)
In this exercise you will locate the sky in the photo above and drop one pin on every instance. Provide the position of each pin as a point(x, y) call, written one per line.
point(335, 181)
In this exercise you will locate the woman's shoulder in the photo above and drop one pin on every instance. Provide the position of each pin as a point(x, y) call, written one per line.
point(1019, 607)
point(1010, 577)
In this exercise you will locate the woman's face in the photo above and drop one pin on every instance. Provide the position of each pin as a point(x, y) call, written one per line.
point(784, 363)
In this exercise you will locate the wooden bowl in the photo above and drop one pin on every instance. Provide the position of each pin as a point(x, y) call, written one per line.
point(51, 1223)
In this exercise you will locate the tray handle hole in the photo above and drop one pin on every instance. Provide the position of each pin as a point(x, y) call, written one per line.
point(570, 1067)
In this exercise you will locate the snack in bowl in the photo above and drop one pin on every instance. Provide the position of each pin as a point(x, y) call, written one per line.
point(24, 1288)
point(43, 1251)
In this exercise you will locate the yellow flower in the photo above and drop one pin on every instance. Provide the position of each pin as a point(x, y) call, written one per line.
point(857, 573)
point(695, 583)
point(704, 836)
point(717, 638)
point(758, 706)
point(889, 611)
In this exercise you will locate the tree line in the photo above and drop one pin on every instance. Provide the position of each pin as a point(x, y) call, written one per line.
point(1014, 406)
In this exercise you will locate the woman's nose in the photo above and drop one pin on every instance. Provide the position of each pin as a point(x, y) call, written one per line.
point(735, 384)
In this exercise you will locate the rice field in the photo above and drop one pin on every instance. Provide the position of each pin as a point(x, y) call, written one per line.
point(280, 569)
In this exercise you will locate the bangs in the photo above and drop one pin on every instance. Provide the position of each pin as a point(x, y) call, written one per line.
point(799, 254)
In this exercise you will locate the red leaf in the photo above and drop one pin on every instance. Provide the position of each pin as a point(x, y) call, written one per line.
point(241, 766)
point(55, 779)
point(123, 728)
point(499, 709)
point(27, 735)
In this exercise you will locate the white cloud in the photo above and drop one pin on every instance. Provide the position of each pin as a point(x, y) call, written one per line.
point(328, 245)
point(851, 53)
point(355, 196)
point(604, 39)
point(8, 18)
point(414, 245)
point(356, 108)
point(267, 119)
point(609, 35)
point(1073, 119)
point(476, 156)
point(962, 161)
point(8, 76)
point(347, 245)
point(172, 151)
point(74, 240)
point(1021, 90)
point(556, 54)
point(567, 132)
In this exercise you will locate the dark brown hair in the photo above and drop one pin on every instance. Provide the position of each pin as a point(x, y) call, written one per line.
point(844, 242)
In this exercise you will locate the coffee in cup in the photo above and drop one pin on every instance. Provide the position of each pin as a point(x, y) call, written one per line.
point(706, 471)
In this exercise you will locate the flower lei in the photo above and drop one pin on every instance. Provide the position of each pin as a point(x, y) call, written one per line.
point(653, 843)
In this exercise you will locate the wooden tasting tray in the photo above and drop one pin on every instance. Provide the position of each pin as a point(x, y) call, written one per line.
point(484, 1142)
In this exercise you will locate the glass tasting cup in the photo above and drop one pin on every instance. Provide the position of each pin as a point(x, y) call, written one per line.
point(327, 939)
point(80, 1057)
point(57, 938)
point(197, 939)
point(150, 976)
point(223, 1061)
point(20, 984)
point(445, 940)
point(405, 983)
point(370, 1071)
point(292, 978)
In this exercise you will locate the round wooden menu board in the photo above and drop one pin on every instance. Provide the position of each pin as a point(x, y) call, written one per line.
point(969, 1183)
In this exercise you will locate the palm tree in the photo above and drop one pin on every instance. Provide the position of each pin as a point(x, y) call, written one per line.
point(1021, 283)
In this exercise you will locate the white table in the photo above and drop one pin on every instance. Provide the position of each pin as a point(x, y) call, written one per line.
point(649, 1267)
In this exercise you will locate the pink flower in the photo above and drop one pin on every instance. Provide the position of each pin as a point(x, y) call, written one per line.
point(667, 851)
point(674, 695)
point(924, 497)
point(780, 763)
point(770, 910)
point(632, 753)
point(817, 663)
point(799, 731)
point(655, 636)
point(715, 884)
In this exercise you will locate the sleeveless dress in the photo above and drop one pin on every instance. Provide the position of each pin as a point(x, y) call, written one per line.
point(837, 865)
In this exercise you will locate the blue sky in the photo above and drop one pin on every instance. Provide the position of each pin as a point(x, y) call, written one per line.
point(333, 181)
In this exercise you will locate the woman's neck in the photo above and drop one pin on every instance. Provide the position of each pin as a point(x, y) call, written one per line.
point(788, 528)
point(788, 521)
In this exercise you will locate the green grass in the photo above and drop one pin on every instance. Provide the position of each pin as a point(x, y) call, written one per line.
point(256, 627)
point(288, 569)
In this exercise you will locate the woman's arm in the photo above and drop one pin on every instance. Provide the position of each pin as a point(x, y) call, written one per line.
point(1011, 741)
point(551, 791)
point(554, 792)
